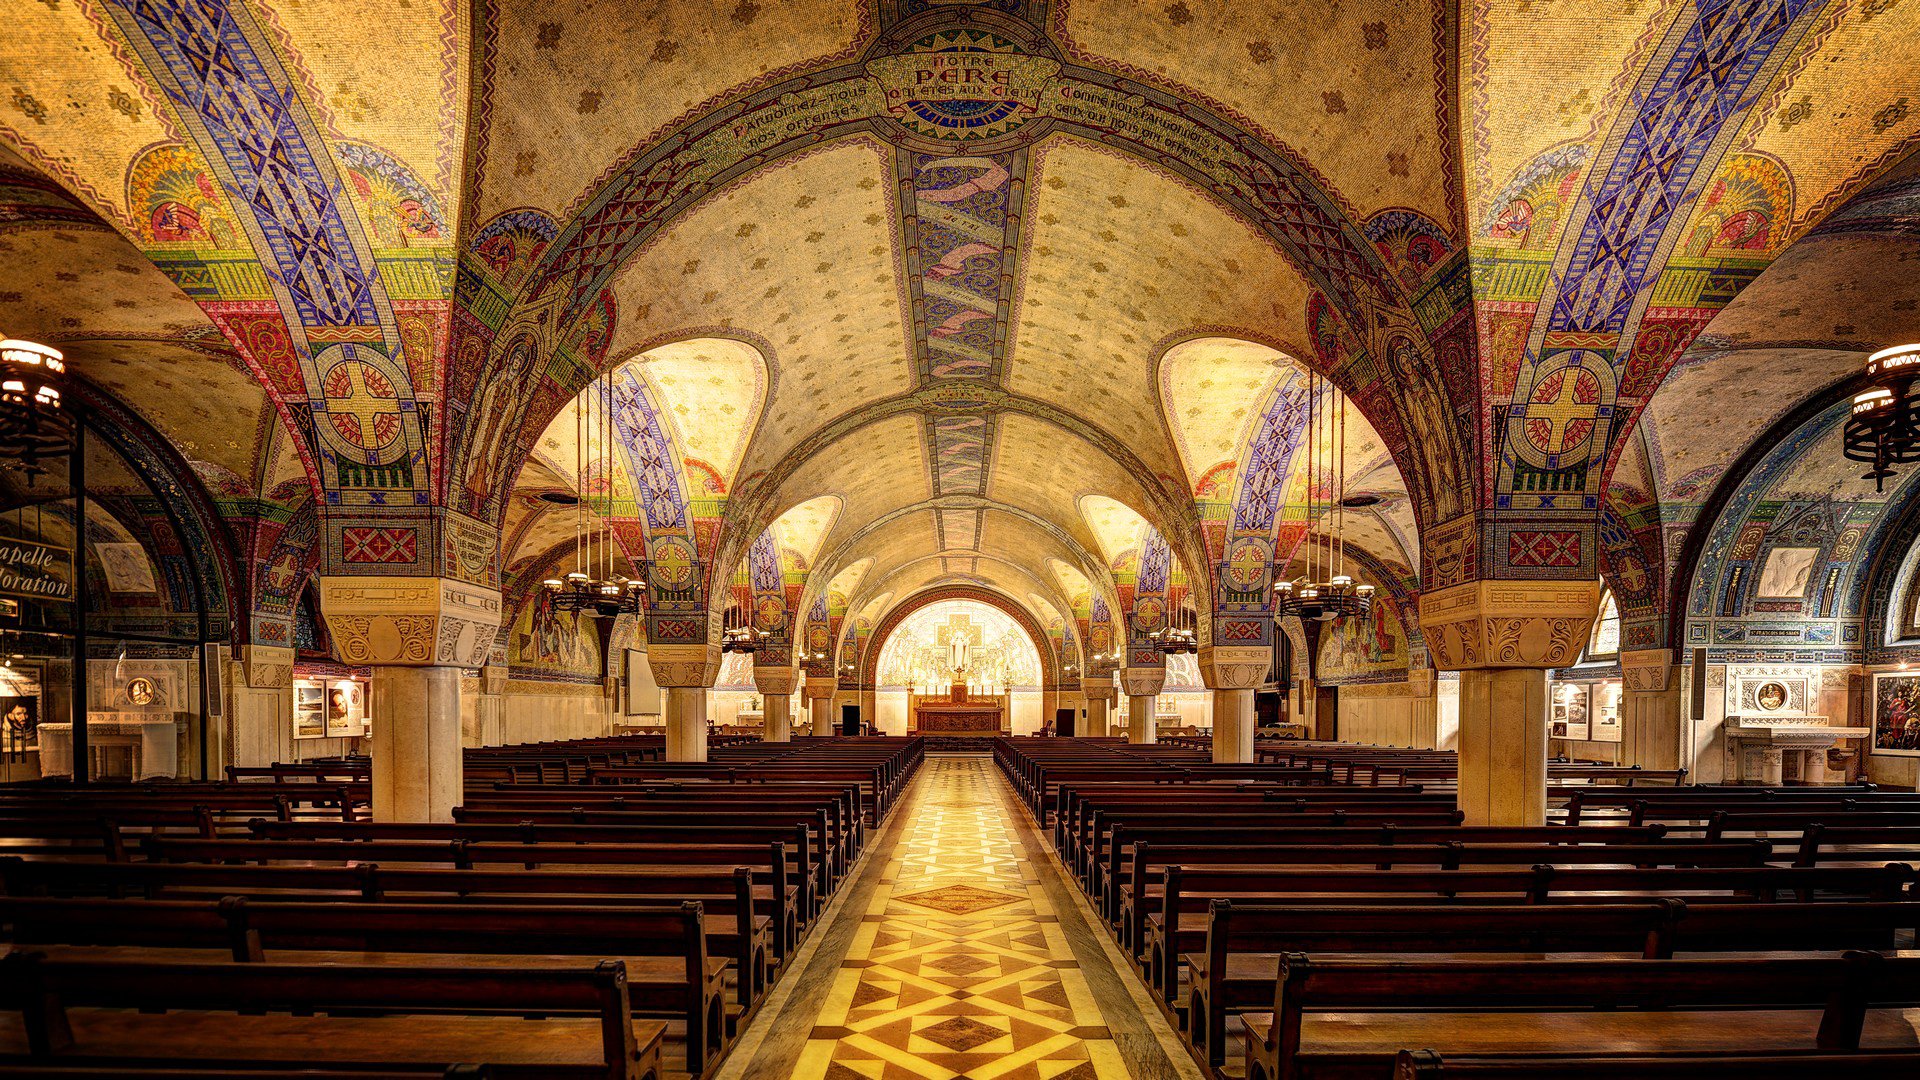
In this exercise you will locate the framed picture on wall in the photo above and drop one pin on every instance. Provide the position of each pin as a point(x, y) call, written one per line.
point(1606, 717)
point(1896, 713)
point(1569, 717)
point(345, 710)
point(309, 710)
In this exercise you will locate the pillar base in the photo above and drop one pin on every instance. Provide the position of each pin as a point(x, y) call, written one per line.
point(1233, 720)
point(1503, 746)
point(778, 711)
point(686, 716)
point(417, 773)
point(1141, 727)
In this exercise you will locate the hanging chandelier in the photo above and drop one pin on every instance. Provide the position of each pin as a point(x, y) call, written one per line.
point(1177, 636)
point(34, 423)
point(594, 586)
point(1328, 592)
point(1883, 430)
point(737, 632)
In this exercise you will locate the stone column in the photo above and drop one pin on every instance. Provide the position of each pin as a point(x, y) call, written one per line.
point(1100, 694)
point(1231, 672)
point(1143, 686)
point(1502, 636)
point(685, 673)
point(1649, 710)
point(819, 695)
point(417, 633)
point(776, 686)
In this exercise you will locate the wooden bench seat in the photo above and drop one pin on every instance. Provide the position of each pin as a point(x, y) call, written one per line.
point(668, 971)
point(76, 1011)
point(1345, 1018)
point(1800, 1065)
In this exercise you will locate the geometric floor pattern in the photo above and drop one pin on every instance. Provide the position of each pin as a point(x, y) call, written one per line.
point(959, 969)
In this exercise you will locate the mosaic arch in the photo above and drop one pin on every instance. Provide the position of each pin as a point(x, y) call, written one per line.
point(874, 645)
point(961, 168)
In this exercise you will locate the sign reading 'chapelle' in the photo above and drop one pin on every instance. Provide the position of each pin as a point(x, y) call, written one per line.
point(35, 571)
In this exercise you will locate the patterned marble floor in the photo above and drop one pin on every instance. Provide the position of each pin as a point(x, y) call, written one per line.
point(957, 953)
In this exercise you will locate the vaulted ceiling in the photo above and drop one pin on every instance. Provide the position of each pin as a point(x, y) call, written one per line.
point(821, 291)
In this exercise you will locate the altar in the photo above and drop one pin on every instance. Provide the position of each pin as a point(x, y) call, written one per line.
point(958, 714)
point(134, 746)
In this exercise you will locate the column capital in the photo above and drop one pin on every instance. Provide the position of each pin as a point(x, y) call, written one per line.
point(684, 665)
point(493, 680)
point(1143, 681)
point(410, 621)
point(1508, 624)
point(819, 689)
point(1649, 670)
point(1234, 667)
point(267, 667)
point(1099, 689)
point(778, 681)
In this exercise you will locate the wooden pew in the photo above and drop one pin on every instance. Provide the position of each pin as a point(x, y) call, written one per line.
point(1351, 1017)
point(1244, 943)
point(1869, 1065)
point(215, 1015)
point(663, 950)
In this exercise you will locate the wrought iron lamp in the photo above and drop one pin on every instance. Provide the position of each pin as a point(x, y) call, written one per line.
point(1883, 430)
point(34, 421)
point(604, 592)
point(1335, 595)
point(738, 634)
point(1178, 636)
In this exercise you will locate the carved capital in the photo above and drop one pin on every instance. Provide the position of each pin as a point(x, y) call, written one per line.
point(1234, 667)
point(267, 667)
point(493, 680)
point(409, 621)
point(819, 689)
point(1100, 690)
point(778, 681)
point(1647, 670)
point(1508, 624)
point(684, 665)
point(1143, 681)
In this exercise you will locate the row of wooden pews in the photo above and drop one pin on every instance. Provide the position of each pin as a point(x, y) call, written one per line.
point(1331, 918)
point(617, 918)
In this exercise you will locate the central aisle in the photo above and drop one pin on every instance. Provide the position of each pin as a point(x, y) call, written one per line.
point(959, 950)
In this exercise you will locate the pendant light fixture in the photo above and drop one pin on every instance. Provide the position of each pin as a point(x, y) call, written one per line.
point(1883, 430)
point(34, 422)
point(594, 586)
point(1329, 591)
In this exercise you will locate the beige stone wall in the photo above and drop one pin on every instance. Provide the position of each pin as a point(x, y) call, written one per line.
point(1390, 714)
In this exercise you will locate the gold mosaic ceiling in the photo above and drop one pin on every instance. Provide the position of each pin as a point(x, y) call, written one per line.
point(1133, 281)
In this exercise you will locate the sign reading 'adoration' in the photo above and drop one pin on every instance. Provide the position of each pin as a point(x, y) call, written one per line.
point(35, 571)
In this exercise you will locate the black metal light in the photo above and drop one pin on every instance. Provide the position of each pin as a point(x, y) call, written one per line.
point(1883, 430)
point(34, 422)
point(1336, 596)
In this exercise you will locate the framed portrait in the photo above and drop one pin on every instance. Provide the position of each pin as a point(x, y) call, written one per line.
point(346, 710)
point(309, 710)
point(1896, 713)
point(1569, 718)
point(20, 719)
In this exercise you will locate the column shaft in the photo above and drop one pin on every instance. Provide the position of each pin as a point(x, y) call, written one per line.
point(1096, 717)
point(822, 716)
point(779, 717)
point(1233, 721)
point(416, 743)
point(1503, 746)
point(1140, 725)
point(686, 723)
